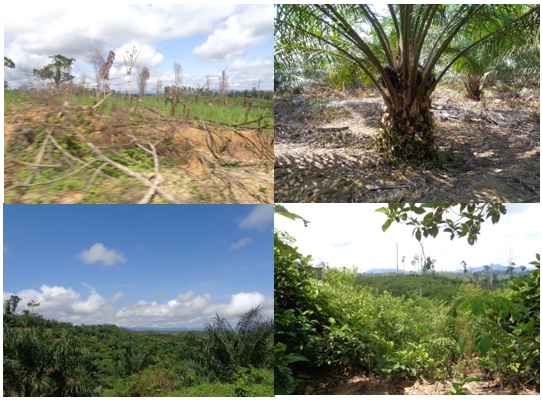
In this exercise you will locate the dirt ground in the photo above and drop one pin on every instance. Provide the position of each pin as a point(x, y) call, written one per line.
point(325, 152)
point(214, 165)
point(352, 384)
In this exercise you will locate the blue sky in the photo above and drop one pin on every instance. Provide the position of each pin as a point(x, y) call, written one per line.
point(351, 235)
point(139, 266)
point(204, 38)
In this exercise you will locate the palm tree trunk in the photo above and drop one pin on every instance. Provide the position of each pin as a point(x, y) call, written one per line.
point(408, 129)
point(473, 86)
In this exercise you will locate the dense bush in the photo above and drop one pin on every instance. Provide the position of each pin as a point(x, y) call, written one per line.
point(334, 321)
point(506, 328)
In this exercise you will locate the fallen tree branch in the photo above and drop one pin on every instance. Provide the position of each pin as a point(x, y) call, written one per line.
point(50, 181)
point(152, 190)
point(39, 157)
point(98, 104)
point(69, 157)
point(11, 159)
point(137, 176)
point(207, 134)
point(92, 178)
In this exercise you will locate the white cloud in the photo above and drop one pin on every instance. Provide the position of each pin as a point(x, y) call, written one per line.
point(240, 244)
point(242, 302)
point(188, 310)
point(98, 253)
point(183, 298)
point(148, 56)
point(259, 218)
point(351, 235)
point(32, 34)
point(237, 34)
point(94, 303)
point(63, 304)
point(6, 249)
point(71, 27)
point(117, 296)
point(248, 73)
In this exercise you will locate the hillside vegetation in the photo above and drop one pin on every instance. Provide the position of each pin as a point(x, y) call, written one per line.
point(337, 335)
point(49, 358)
point(432, 286)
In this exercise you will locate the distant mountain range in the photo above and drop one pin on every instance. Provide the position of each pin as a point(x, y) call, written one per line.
point(495, 268)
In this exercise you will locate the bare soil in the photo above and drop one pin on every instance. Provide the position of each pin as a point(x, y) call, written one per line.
point(351, 383)
point(196, 163)
point(325, 150)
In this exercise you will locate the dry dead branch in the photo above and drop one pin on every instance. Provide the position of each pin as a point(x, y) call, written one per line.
point(98, 104)
point(80, 145)
point(154, 187)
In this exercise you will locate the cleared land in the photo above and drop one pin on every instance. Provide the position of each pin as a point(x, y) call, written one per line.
point(60, 151)
point(325, 149)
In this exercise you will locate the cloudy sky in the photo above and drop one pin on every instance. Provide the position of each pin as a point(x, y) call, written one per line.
point(139, 266)
point(205, 39)
point(351, 235)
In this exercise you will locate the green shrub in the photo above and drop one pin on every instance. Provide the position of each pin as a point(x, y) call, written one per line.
point(151, 382)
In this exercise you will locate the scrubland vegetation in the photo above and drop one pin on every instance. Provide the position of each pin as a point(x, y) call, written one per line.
point(339, 326)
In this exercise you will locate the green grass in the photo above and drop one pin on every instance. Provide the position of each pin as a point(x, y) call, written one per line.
point(234, 113)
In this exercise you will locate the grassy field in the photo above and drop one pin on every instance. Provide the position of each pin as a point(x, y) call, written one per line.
point(237, 111)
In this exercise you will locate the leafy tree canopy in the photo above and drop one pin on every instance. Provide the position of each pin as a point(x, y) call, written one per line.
point(8, 62)
point(59, 70)
point(461, 219)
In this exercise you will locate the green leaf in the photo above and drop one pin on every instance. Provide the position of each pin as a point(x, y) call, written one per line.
point(386, 225)
point(281, 210)
point(484, 346)
point(477, 308)
point(417, 210)
point(428, 218)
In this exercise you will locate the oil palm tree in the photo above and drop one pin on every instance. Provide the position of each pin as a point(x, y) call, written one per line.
point(27, 358)
point(248, 344)
point(36, 364)
point(509, 48)
point(405, 63)
point(475, 67)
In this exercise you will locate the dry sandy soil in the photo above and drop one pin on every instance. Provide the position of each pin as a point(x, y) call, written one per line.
point(324, 150)
point(213, 165)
